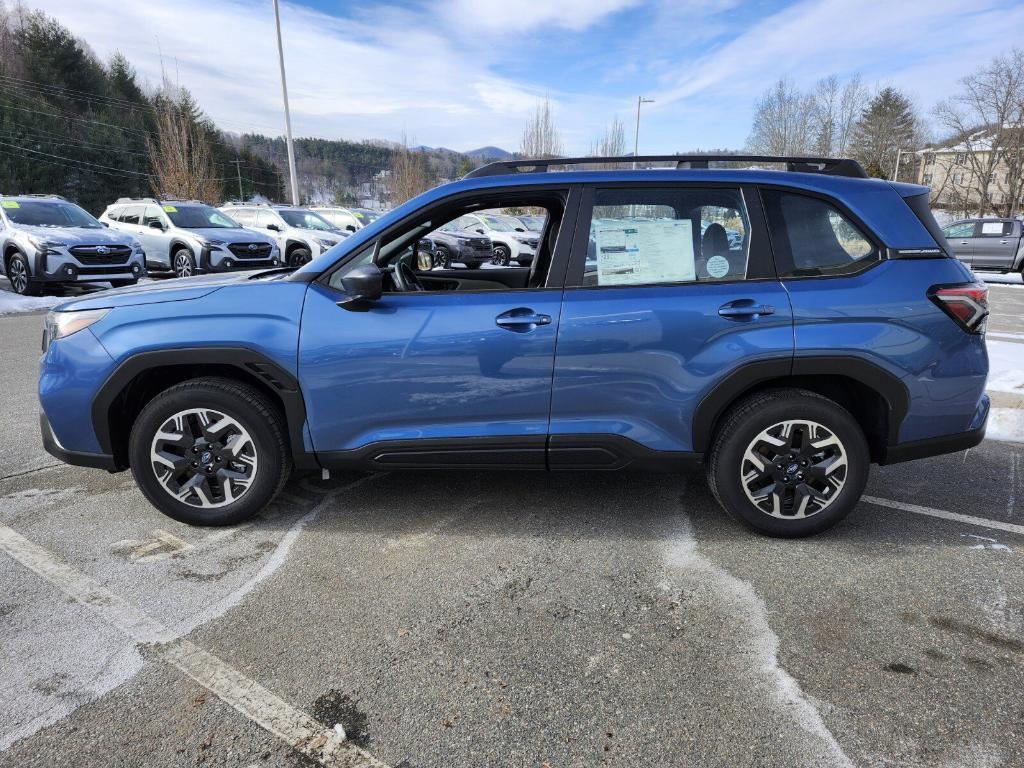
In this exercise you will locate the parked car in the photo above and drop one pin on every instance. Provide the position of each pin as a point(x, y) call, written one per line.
point(366, 216)
point(453, 245)
point(46, 240)
point(300, 234)
point(844, 333)
point(344, 219)
point(189, 237)
point(532, 223)
point(988, 244)
point(510, 240)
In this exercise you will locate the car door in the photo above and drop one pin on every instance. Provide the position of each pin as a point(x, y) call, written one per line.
point(961, 237)
point(658, 313)
point(438, 377)
point(995, 244)
point(155, 240)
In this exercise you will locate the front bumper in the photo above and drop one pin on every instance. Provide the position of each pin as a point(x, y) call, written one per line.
point(225, 261)
point(76, 458)
point(64, 268)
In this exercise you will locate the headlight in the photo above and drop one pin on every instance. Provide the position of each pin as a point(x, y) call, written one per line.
point(522, 239)
point(61, 324)
point(45, 245)
point(211, 244)
point(325, 244)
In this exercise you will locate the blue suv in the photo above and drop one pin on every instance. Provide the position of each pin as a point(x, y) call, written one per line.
point(835, 331)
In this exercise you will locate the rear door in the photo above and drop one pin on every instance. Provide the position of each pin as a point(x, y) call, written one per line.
point(995, 244)
point(659, 308)
point(961, 237)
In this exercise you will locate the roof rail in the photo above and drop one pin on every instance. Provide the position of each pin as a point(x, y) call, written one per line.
point(39, 194)
point(136, 200)
point(827, 165)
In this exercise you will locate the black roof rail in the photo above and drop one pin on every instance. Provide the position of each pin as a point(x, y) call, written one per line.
point(827, 165)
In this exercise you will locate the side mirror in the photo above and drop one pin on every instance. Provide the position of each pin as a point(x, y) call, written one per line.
point(362, 284)
point(520, 229)
point(479, 231)
point(105, 223)
point(351, 228)
point(274, 227)
point(156, 225)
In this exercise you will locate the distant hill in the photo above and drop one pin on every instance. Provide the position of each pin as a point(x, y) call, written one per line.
point(489, 153)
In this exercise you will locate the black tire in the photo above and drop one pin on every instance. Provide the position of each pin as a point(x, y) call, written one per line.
point(264, 427)
point(298, 256)
point(183, 263)
point(443, 257)
point(122, 283)
point(502, 255)
point(20, 276)
point(759, 414)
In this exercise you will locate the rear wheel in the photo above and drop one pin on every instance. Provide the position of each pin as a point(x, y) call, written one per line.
point(184, 264)
point(209, 452)
point(20, 276)
point(788, 463)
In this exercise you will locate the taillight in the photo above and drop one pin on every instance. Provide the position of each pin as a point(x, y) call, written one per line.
point(967, 304)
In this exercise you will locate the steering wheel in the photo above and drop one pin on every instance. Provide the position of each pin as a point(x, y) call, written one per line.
point(405, 278)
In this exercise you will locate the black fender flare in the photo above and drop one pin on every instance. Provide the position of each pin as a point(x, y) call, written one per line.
point(254, 364)
point(746, 377)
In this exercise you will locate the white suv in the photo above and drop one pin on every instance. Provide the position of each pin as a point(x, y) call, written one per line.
point(300, 233)
point(510, 240)
point(189, 236)
point(44, 240)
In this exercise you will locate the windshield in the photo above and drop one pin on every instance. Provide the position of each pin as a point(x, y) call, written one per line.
point(39, 213)
point(198, 217)
point(306, 220)
point(533, 223)
point(502, 224)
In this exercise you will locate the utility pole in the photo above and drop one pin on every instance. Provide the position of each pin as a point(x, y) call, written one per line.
point(287, 115)
point(896, 170)
point(238, 166)
point(636, 138)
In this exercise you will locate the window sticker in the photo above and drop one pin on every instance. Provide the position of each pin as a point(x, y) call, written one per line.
point(170, 209)
point(992, 228)
point(717, 266)
point(640, 252)
point(10, 204)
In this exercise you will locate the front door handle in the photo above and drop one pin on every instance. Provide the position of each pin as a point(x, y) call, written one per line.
point(745, 309)
point(521, 319)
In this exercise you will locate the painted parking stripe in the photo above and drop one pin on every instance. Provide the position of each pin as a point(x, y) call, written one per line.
point(247, 697)
point(917, 509)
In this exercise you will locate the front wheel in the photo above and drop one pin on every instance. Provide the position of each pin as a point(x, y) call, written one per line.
point(209, 451)
point(184, 264)
point(788, 463)
point(502, 255)
point(21, 277)
point(298, 256)
point(443, 257)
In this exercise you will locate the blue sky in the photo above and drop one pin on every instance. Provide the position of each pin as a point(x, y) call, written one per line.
point(466, 73)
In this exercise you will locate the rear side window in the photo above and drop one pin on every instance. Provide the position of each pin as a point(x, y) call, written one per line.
point(647, 236)
point(812, 237)
point(132, 214)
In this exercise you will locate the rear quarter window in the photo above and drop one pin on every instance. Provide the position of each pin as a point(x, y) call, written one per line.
point(811, 237)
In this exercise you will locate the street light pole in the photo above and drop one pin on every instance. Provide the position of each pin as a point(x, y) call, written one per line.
point(287, 115)
point(896, 170)
point(238, 167)
point(636, 137)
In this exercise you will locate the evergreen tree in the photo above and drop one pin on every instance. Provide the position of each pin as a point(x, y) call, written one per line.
point(887, 125)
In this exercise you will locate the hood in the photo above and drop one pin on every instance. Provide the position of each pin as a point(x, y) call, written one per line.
point(155, 292)
point(229, 234)
point(78, 235)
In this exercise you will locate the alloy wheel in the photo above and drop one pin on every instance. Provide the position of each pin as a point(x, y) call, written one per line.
point(17, 275)
point(182, 265)
point(794, 469)
point(204, 458)
point(502, 255)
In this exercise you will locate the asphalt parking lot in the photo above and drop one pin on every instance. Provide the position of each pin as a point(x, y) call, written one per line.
point(519, 619)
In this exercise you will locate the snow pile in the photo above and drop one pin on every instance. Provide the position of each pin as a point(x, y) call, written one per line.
point(1010, 279)
point(1006, 424)
point(11, 303)
point(1006, 388)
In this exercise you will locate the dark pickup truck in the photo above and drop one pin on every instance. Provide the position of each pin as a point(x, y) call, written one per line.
point(987, 244)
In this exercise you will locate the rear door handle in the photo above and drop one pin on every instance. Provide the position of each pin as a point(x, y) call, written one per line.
point(521, 319)
point(745, 309)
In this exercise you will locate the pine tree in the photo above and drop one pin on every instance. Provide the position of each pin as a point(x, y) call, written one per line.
point(887, 125)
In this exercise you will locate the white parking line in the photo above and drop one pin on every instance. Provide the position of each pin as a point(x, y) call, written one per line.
point(245, 696)
point(917, 509)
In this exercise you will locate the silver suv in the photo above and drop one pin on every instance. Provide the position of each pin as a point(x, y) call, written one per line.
point(189, 236)
point(47, 240)
point(300, 233)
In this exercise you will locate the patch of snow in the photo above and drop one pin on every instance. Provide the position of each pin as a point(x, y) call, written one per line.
point(1005, 366)
point(12, 303)
point(1006, 424)
point(997, 278)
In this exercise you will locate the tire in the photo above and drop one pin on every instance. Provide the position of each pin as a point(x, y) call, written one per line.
point(260, 459)
point(122, 283)
point(443, 257)
point(298, 256)
point(502, 255)
point(833, 464)
point(20, 276)
point(183, 263)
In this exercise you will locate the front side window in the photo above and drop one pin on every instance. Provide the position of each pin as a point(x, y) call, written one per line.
point(151, 214)
point(666, 235)
point(132, 214)
point(963, 229)
point(812, 237)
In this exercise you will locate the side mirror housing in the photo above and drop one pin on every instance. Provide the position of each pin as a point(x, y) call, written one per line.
point(156, 225)
point(274, 227)
point(351, 228)
point(479, 231)
point(362, 284)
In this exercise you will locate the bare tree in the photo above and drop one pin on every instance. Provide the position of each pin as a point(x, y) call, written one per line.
point(986, 119)
point(541, 138)
point(783, 121)
point(409, 174)
point(179, 150)
point(611, 144)
point(851, 103)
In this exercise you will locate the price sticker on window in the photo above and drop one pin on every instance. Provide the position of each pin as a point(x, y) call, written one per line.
point(9, 203)
point(170, 209)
